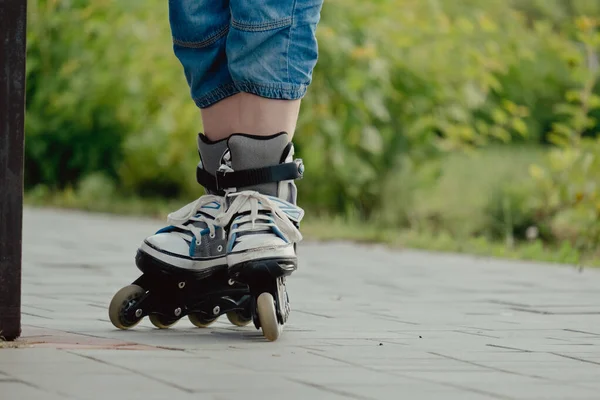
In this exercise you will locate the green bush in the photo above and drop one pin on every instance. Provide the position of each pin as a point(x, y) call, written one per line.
point(73, 92)
point(105, 94)
point(565, 189)
point(399, 84)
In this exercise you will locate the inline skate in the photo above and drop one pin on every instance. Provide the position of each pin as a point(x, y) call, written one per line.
point(184, 265)
point(262, 221)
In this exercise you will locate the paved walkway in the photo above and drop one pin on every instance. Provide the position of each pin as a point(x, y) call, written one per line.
point(366, 323)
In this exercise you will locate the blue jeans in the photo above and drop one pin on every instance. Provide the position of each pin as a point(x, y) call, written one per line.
point(264, 47)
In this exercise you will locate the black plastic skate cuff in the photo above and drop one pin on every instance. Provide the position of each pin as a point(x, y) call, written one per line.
point(206, 179)
point(257, 176)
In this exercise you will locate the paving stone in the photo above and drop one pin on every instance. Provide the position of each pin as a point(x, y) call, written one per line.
point(13, 390)
point(367, 323)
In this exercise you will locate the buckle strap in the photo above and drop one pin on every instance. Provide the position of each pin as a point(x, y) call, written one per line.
point(257, 176)
point(206, 179)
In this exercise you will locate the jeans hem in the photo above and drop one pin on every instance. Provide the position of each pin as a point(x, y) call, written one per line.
point(216, 95)
point(283, 91)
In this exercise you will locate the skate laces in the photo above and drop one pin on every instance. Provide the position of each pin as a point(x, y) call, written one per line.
point(255, 221)
point(190, 213)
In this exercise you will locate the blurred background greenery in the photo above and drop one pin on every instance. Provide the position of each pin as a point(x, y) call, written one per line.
point(463, 125)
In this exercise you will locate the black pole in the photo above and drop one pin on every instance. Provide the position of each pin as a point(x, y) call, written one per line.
point(13, 17)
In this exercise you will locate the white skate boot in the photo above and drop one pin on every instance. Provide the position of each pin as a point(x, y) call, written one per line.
point(262, 221)
point(184, 265)
point(192, 241)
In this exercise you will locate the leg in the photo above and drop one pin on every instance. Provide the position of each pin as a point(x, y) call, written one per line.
point(184, 265)
point(199, 29)
point(271, 50)
point(246, 112)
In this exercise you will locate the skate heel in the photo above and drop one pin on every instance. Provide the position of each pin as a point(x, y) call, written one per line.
point(256, 271)
point(266, 281)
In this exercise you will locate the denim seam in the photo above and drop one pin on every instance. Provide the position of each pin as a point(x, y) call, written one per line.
point(206, 42)
point(265, 26)
point(283, 86)
point(276, 91)
point(287, 49)
point(216, 95)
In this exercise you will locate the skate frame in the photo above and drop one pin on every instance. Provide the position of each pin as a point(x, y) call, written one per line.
point(175, 296)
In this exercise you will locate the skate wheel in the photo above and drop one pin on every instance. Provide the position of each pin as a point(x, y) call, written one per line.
point(121, 301)
point(200, 322)
point(267, 316)
point(160, 321)
point(238, 319)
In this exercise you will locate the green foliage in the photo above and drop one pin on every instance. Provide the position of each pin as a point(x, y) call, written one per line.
point(421, 83)
point(105, 94)
point(72, 93)
point(510, 216)
point(399, 86)
point(567, 189)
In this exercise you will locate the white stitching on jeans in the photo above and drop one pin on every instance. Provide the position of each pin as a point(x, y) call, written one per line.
point(204, 43)
point(262, 26)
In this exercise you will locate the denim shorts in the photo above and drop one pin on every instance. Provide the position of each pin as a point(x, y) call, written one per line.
point(264, 47)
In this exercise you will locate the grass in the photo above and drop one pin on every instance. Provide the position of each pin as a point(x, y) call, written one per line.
point(335, 229)
point(467, 183)
point(458, 201)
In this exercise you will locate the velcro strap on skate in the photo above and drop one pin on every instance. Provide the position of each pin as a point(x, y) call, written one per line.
point(206, 179)
point(257, 176)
